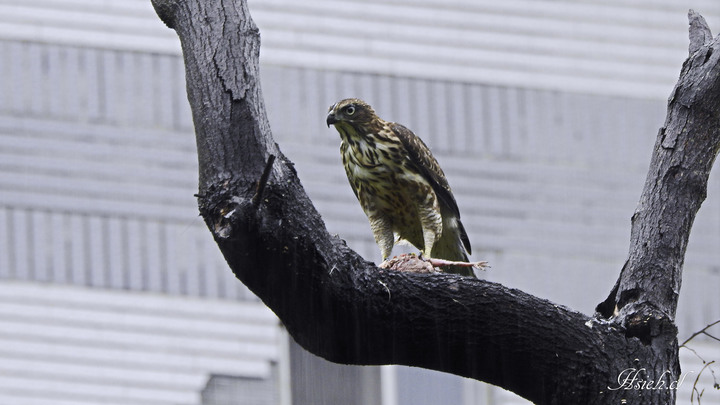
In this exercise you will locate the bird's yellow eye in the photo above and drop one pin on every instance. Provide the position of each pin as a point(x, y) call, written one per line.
point(350, 110)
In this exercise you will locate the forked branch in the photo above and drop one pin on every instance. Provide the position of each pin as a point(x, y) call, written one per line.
point(345, 309)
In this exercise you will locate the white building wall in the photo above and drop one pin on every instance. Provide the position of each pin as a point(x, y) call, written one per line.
point(542, 114)
point(632, 48)
point(62, 345)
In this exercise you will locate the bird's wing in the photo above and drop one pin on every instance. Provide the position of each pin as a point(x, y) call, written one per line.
point(421, 157)
point(463, 237)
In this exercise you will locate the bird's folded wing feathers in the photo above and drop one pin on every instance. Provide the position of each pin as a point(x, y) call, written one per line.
point(428, 166)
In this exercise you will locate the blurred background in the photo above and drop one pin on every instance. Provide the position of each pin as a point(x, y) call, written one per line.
point(542, 114)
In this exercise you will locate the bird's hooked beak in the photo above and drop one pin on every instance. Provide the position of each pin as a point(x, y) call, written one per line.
point(331, 119)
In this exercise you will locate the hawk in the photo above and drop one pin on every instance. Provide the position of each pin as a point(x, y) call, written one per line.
point(400, 185)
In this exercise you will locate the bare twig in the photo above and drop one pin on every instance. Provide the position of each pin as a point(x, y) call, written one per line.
point(702, 331)
point(697, 379)
point(707, 364)
point(263, 181)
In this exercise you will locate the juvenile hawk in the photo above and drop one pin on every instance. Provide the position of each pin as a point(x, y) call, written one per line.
point(399, 184)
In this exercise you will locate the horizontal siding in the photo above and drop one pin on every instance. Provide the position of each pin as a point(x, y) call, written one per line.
point(115, 252)
point(546, 181)
point(75, 345)
point(98, 169)
point(477, 120)
point(97, 86)
point(111, 171)
point(632, 49)
point(94, 197)
point(535, 222)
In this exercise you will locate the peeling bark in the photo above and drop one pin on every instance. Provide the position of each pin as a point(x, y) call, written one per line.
point(345, 309)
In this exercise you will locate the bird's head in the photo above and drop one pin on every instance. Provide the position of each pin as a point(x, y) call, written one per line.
point(351, 112)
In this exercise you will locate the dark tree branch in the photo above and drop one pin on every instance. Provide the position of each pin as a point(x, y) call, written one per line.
point(699, 32)
point(646, 295)
point(345, 309)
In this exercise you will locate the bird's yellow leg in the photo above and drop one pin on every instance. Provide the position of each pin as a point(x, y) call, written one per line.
point(431, 222)
point(382, 231)
point(429, 239)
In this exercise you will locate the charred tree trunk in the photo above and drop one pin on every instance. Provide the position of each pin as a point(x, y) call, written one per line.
point(343, 308)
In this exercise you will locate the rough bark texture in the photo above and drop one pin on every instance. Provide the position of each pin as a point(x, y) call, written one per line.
point(345, 309)
point(646, 294)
